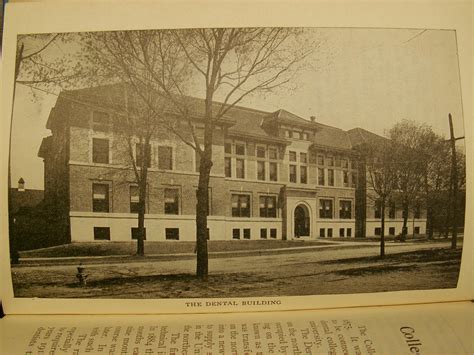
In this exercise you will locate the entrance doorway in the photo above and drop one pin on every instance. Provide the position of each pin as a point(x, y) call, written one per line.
point(302, 221)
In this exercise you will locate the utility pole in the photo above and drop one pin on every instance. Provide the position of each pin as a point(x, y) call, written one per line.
point(454, 184)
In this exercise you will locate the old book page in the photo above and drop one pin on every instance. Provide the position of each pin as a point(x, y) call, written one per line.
point(299, 210)
point(420, 329)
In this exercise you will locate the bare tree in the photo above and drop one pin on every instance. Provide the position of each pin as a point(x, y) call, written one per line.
point(140, 111)
point(436, 181)
point(412, 156)
point(36, 66)
point(228, 64)
point(381, 170)
point(135, 125)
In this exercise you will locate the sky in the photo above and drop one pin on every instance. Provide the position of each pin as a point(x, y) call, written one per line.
point(368, 78)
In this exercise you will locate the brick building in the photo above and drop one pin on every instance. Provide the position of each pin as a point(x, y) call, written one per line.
point(275, 176)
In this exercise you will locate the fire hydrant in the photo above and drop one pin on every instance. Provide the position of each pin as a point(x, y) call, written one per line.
point(81, 276)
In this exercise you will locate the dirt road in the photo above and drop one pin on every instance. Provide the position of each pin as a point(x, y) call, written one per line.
point(350, 269)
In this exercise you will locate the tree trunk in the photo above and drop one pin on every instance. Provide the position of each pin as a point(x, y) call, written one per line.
point(202, 204)
point(142, 187)
point(202, 194)
point(405, 221)
point(429, 219)
point(446, 222)
point(382, 229)
point(141, 218)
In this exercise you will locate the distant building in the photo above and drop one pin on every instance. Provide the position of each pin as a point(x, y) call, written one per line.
point(275, 176)
point(22, 199)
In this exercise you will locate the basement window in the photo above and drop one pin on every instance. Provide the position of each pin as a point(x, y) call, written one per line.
point(172, 233)
point(236, 233)
point(101, 233)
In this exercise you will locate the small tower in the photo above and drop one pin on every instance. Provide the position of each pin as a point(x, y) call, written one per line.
point(21, 184)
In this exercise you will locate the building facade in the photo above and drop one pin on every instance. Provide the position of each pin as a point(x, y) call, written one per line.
point(275, 176)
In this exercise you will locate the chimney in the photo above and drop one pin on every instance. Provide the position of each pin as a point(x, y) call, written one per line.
point(21, 184)
point(313, 118)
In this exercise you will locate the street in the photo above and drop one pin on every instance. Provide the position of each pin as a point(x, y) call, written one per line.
point(343, 269)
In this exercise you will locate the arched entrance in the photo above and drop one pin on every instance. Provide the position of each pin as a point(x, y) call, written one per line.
point(302, 221)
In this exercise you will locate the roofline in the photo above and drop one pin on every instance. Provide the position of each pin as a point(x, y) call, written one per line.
point(257, 137)
point(326, 147)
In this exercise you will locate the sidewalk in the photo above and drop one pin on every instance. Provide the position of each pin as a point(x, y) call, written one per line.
point(331, 244)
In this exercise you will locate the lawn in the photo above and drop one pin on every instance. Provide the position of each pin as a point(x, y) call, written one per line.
point(160, 248)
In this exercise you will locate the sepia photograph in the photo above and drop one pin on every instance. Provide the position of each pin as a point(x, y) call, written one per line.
point(236, 162)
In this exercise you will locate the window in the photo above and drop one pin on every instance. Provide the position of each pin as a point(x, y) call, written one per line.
point(240, 205)
point(345, 178)
point(330, 177)
point(171, 201)
point(260, 170)
point(273, 171)
point(345, 163)
point(378, 209)
point(292, 173)
point(321, 176)
point(272, 153)
point(330, 161)
point(268, 206)
point(236, 233)
point(303, 158)
point(325, 208)
point(100, 150)
point(172, 233)
point(322, 233)
point(240, 149)
point(305, 136)
point(246, 233)
point(101, 233)
point(303, 174)
point(273, 233)
point(139, 155)
point(100, 121)
point(228, 166)
point(391, 231)
point(135, 233)
point(240, 168)
point(341, 232)
point(263, 233)
point(228, 148)
point(345, 209)
point(349, 232)
point(292, 156)
point(329, 232)
point(134, 199)
point(417, 230)
point(289, 134)
point(354, 164)
point(261, 153)
point(378, 231)
point(391, 209)
point(100, 197)
point(320, 159)
point(165, 158)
